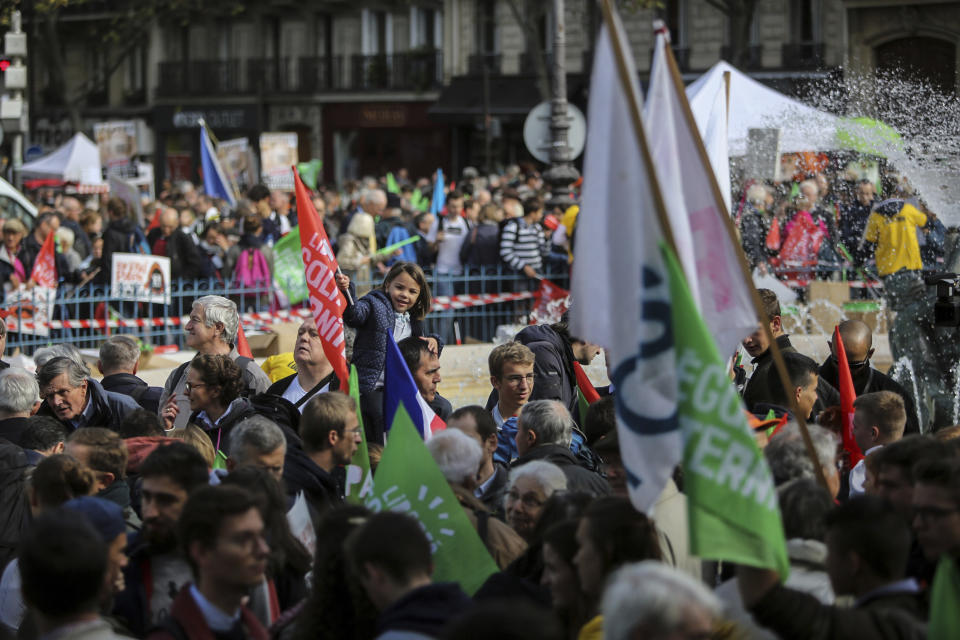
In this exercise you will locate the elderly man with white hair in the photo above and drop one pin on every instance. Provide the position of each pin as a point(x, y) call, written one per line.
point(544, 432)
point(19, 398)
point(459, 457)
point(528, 489)
point(654, 601)
point(211, 330)
point(77, 401)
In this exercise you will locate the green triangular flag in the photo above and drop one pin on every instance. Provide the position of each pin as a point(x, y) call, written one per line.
point(944, 596)
point(409, 480)
point(288, 268)
point(359, 483)
point(392, 185)
point(731, 499)
point(309, 172)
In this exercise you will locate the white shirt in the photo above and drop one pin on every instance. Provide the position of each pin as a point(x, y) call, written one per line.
point(858, 475)
point(455, 231)
point(496, 416)
point(295, 391)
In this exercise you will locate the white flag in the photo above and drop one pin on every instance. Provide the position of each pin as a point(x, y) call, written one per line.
point(713, 130)
point(620, 290)
point(704, 246)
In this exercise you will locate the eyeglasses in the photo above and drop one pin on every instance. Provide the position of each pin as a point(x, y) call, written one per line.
point(514, 381)
point(190, 387)
point(852, 365)
point(932, 513)
point(529, 500)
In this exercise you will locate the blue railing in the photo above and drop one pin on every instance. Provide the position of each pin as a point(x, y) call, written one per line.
point(79, 315)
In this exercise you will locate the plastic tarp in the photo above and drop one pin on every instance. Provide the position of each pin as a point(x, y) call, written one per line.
point(76, 161)
point(756, 106)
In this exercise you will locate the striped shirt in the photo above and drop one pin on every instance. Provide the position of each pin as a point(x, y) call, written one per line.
point(522, 244)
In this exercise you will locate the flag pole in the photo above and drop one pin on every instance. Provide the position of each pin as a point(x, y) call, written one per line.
point(778, 361)
point(635, 115)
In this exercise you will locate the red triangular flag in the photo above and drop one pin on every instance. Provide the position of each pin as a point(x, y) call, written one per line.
point(243, 347)
point(847, 396)
point(583, 383)
point(326, 301)
point(155, 221)
point(44, 272)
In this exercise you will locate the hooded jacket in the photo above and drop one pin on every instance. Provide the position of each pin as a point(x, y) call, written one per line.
point(425, 610)
point(578, 478)
point(128, 384)
point(239, 410)
point(109, 409)
point(554, 378)
point(321, 489)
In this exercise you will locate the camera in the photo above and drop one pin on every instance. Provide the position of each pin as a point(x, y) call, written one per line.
point(946, 310)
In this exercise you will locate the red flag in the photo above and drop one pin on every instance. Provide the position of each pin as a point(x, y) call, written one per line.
point(583, 383)
point(550, 302)
point(243, 347)
point(847, 396)
point(155, 221)
point(326, 301)
point(44, 272)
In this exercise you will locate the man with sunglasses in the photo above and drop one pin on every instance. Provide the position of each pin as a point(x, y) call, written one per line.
point(858, 344)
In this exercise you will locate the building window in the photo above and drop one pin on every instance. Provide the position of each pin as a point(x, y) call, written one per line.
point(426, 28)
point(805, 21)
point(486, 21)
point(377, 32)
point(674, 15)
point(135, 68)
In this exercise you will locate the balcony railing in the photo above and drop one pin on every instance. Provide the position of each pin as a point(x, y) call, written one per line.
point(753, 56)
point(412, 71)
point(803, 55)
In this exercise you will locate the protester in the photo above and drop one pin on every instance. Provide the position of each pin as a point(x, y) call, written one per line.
point(170, 240)
point(119, 361)
point(211, 330)
point(121, 235)
point(158, 568)
point(249, 264)
point(522, 242)
point(397, 308)
point(222, 534)
point(105, 453)
point(19, 397)
point(424, 366)
point(358, 250)
point(314, 373)
point(544, 432)
point(935, 507)
point(878, 420)
point(44, 436)
point(78, 401)
point(528, 489)
point(560, 575)
point(396, 577)
point(458, 456)
point(512, 377)
point(492, 477)
point(257, 442)
point(13, 273)
point(787, 456)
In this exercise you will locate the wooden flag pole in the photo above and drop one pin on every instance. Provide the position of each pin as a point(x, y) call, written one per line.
point(778, 361)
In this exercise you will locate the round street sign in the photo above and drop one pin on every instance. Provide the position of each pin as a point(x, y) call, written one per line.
point(536, 131)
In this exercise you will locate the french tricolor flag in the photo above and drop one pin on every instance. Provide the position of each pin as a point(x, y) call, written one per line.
point(398, 387)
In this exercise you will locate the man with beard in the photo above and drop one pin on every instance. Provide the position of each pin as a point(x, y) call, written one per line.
point(157, 568)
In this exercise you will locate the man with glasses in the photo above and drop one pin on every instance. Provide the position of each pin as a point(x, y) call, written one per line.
point(512, 378)
point(858, 344)
point(936, 507)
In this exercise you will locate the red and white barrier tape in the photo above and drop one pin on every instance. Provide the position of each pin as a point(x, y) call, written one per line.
point(440, 303)
point(856, 284)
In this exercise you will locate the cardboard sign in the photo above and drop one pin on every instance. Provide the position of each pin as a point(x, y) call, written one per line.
point(278, 154)
point(140, 278)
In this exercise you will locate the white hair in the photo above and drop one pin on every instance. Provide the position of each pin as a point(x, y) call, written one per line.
point(549, 420)
point(547, 475)
point(45, 354)
point(654, 595)
point(255, 435)
point(457, 454)
point(787, 455)
point(219, 309)
point(19, 391)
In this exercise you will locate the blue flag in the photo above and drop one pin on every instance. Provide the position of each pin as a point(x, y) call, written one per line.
point(215, 181)
point(399, 387)
point(439, 197)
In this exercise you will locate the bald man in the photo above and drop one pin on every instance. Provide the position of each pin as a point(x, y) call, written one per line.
point(170, 240)
point(858, 343)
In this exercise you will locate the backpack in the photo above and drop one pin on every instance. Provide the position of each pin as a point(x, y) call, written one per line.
point(137, 242)
point(251, 270)
point(14, 508)
point(278, 410)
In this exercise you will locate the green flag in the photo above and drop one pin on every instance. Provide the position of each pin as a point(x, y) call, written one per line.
point(392, 185)
point(731, 500)
point(309, 172)
point(409, 480)
point(397, 245)
point(944, 596)
point(359, 483)
point(288, 268)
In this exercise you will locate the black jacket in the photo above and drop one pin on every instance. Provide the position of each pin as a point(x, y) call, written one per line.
point(13, 429)
point(184, 254)
point(14, 505)
point(120, 236)
point(867, 380)
point(238, 411)
point(322, 490)
point(109, 409)
point(130, 385)
point(753, 235)
point(578, 478)
point(554, 378)
point(425, 610)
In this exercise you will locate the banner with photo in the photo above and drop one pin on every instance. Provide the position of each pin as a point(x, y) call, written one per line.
point(140, 278)
point(117, 141)
point(278, 155)
point(238, 162)
point(29, 310)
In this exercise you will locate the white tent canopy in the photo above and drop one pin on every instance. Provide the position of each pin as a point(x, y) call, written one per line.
point(76, 161)
point(756, 106)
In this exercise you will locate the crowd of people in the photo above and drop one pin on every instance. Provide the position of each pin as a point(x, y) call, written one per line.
point(215, 506)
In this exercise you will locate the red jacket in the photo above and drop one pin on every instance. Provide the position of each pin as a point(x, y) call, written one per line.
point(186, 617)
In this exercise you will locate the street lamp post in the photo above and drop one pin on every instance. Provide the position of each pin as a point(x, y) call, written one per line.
point(561, 173)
